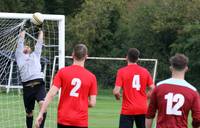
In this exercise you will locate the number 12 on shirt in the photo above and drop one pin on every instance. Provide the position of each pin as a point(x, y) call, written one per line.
point(136, 82)
point(178, 99)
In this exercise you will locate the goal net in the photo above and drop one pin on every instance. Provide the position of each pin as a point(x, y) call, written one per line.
point(12, 112)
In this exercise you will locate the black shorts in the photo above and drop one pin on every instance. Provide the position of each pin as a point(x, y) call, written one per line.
point(127, 121)
point(64, 126)
point(33, 93)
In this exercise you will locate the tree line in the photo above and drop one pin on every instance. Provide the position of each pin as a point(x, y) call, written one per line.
point(158, 28)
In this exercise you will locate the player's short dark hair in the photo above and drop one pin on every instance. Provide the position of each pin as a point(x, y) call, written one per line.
point(133, 55)
point(179, 61)
point(80, 51)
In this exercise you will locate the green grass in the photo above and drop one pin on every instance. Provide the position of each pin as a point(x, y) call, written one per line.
point(104, 115)
point(106, 112)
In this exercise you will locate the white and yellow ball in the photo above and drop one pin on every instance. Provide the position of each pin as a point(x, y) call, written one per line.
point(37, 18)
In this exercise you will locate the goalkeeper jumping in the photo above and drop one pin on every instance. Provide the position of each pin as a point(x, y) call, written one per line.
point(29, 65)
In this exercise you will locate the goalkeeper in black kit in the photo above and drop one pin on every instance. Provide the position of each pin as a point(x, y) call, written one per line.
point(29, 65)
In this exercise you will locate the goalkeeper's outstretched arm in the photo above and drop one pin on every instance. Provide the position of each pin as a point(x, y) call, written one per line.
point(40, 41)
point(20, 48)
point(20, 43)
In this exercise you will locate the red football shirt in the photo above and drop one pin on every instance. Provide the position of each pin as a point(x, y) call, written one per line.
point(173, 99)
point(76, 84)
point(133, 79)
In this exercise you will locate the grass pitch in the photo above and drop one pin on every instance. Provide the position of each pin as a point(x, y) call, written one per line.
point(104, 115)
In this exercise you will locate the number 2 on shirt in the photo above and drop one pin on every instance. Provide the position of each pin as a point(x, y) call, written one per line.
point(179, 101)
point(76, 82)
point(136, 82)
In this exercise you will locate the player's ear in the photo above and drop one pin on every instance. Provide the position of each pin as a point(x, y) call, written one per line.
point(86, 56)
point(171, 68)
point(73, 55)
point(186, 68)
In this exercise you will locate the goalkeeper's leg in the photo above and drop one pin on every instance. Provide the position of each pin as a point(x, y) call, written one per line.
point(29, 103)
point(29, 119)
point(40, 96)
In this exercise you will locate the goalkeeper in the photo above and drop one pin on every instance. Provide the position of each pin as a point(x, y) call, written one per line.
point(32, 78)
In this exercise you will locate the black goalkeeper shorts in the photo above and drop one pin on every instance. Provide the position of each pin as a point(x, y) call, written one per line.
point(33, 90)
point(127, 121)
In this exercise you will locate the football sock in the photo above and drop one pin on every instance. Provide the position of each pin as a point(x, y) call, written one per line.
point(29, 121)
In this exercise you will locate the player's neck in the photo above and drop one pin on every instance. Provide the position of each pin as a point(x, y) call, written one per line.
point(130, 63)
point(79, 63)
point(178, 75)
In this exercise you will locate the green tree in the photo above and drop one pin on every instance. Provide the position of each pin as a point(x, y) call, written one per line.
point(66, 7)
point(161, 28)
point(21, 6)
point(158, 28)
point(11, 6)
point(188, 40)
point(96, 25)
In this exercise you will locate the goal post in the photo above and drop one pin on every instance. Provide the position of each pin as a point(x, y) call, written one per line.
point(106, 72)
point(153, 72)
point(12, 112)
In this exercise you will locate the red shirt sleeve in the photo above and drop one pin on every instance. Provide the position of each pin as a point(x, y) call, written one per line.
point(119, 79)
point(152, 106)
point(58, 79)
point(196, 111)
point(93, 88)
point(150, 80)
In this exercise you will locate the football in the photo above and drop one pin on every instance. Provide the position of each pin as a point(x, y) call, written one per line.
point(37, 18)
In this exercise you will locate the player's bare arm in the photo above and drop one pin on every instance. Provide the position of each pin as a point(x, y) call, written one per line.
point(116, 92)
point(41, 35)
point(40, 41)
point(49, 97)
point(149, 90)
point(92, 101)
point(148, 123)
point(20, 44)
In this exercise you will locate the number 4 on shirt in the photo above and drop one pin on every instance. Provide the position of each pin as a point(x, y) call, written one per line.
point(76, 82)
point(136, 82)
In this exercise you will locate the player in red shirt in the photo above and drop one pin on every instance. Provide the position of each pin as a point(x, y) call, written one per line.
point(134, 80)
point(78, 92)
point(174, 98)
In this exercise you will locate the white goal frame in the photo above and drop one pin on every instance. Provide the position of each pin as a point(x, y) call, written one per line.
point(61, 38)
point(108, 58)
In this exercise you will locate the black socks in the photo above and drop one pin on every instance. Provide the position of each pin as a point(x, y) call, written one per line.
point(29, 121)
